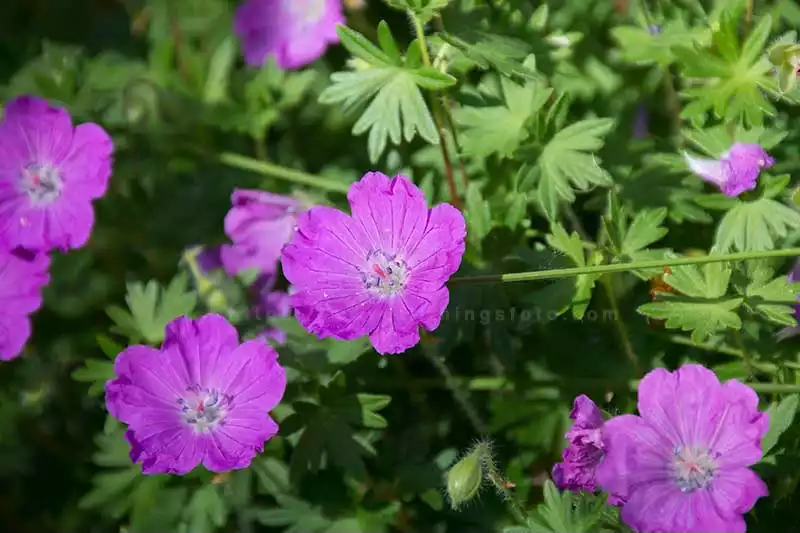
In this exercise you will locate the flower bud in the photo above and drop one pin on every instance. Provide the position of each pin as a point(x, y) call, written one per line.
point(464, 479)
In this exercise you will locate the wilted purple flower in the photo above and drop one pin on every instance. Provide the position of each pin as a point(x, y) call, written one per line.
point(294, 32)
point(584, 449)
point(682, 465)
point(259, 224)
point(736, 171)
point(792, 331)
point(640, 123)
point(202, 398)
point(209, 258)
point(380, 272)
point(22, 276)
point(50, 174)
point(270, 303)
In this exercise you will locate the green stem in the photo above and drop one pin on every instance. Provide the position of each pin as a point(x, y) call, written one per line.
point(745, 353)
point(500, 485)
point(623, 267)
point(673, 102)
point(282, 173)
point(437, 113)
point(622, 328)
point(748, 17)
point(459, 394)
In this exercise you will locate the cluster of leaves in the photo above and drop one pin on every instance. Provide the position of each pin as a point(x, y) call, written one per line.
point(526, 113)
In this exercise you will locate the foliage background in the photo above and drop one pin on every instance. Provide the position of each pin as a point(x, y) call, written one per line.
point(165, 79)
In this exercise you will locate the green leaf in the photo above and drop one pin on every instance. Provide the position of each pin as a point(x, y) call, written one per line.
point(572, 247)
point(568, 161)
point(645, 230)
point(97, 373)
point(478, 215)
point(702, 306)
point(641, 47)
point(732, 82)
point(395, 109)
point(388, 44)
point(432, 79)
point(206, 511)
point(754, 45)
point(500, 129)
point(564, 511)
point(300, 516)
point(424, 10)
point(361, 47)
point(774, 300)
point(272, 476)
point(219, 71)
point(490, 51)
point(781, 415)
point(152, 307)
point(755, 226)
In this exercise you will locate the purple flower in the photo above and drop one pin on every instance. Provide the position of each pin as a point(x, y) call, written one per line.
point(294, 32)
point(259, 224)
point(736, 171)
point(209, 259)
point(201, 398)
point(794, 277)
point(792, 331)
point(584, 450)
point(22, 276)
point(49, 176)
point(269, 303)
point(640, 123)
point(682, 465)
point(380, 272)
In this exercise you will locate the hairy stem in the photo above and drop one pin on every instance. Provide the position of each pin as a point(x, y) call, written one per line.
point(492, 474)
point(282, 173)
point(623, 267)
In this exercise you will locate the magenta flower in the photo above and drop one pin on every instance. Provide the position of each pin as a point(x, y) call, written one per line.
point(50, 174)
point(259, 224)
point(22, 276)
point(682, 465)
point(736, 171)
point(585, 448)
point(270, 303)
point(380, 272)
point(201, 398)
point(294, 32)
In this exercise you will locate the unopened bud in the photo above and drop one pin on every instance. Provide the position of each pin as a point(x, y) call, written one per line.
point(464, 479)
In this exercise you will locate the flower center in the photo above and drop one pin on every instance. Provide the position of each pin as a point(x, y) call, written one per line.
point(305, 12)
point(41, 182)
point(203, 408)
point(694, 467)
point(385, 275)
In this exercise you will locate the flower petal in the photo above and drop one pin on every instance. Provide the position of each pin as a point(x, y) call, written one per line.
point(685, 406)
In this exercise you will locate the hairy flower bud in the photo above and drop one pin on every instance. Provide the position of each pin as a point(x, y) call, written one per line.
point(465, 478)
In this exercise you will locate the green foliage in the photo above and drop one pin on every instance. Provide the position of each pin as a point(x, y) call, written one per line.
point(565, 511)
point(501, 129)
point(151, 308)
point(736, 74)
point(390, 84)
point(561, 127)
point(781, 415)
point(702, 306)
